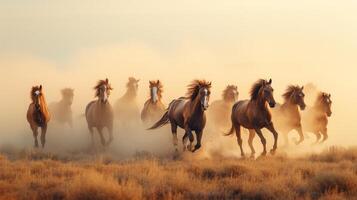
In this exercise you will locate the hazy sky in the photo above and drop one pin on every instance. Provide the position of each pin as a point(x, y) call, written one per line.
point(74, 43)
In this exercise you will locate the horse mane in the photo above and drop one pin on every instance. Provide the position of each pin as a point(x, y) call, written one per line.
point(67, 92)
point(289, 91)
point(100, 83)
point(225, 91)
point(254, 91)
point(195, 86)
point(159, 86)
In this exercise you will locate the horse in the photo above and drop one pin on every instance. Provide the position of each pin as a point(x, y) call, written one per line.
point(153, 107)
point(126, 108)
point(315, 119)
point(188, 113)
point(99, 113)
point(254, 115)
point(61, 111)
point(220, 110)
point(286, 117)
point(38, 115)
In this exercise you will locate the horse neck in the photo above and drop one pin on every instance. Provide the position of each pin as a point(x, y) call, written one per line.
point(288, 104)
point(261, 103)
point(130, 94)
point(44, 108)
point(196, 107)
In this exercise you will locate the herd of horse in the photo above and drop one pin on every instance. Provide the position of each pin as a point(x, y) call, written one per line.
point(189, 112)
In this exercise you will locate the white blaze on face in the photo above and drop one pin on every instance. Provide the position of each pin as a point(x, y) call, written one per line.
point(37, 92)
point(105, 95)
point(205, 99)
point(154, 94)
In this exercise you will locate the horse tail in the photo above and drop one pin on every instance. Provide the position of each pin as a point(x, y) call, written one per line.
point(163, 121)
point(231, 131)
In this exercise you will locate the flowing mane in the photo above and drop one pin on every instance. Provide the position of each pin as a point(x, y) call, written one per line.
point(99, 84)
point(227, 90)
point(289, 91)
point(254, 91)
point(159, 86)
point(195, 86)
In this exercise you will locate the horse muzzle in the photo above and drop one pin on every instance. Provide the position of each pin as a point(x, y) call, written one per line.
point(272, 104)
point(329, 114)
point(302, 107)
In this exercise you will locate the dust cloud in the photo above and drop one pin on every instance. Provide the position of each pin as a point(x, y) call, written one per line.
point(175, 69)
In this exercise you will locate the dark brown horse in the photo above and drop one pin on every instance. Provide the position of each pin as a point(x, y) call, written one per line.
point(153, 107)
point(188, 113)
point(99, 113)
point(61, 111)
point(287, 117)
point(254, 115)
point(38, 115)
point(220, 110)
point(126, 108)
point(315, 119)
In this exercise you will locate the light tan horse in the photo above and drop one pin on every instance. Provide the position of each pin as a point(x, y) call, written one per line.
point(220, 110)
point(99, 113)
point(61, 111)
point(286, 117)
point(188, 113)
point(315, 119)
point(38, 115)
point(153, 107)
point(126, 108)
point(254, 115)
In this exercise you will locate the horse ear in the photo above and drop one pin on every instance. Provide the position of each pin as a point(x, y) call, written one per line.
point(302, 87)
point(270, 81)
point(158, 81)
point(40, 87)
point(106, 80)
point(329, 95)
point(137, 80)
point(210, 83)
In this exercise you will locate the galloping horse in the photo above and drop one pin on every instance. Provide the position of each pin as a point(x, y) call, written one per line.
point(126, 108)
point(99, 113)
point(38, 114)
point(188, 113)
point(61, 111)
point(315, 119)
point(153, 107)
point(220, 110)
point(254, 115)
point(287, 117)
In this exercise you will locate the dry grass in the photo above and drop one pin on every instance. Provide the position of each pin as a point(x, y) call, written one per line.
point(329, 175)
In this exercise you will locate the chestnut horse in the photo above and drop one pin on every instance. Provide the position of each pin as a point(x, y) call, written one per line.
point(126, 108)
point(315, 119)
point(38, 115)
point(188, 113)
point(153, 107)
point(220, 110)
point(287, 117)
point(61, 111)
point(254, 115)
point(99, 113)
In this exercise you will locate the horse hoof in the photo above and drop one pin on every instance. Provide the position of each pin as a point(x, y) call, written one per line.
point(264, 153)
point(272, 152)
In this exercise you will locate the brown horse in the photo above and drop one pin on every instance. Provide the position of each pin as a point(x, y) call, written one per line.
point(254, 115)
point(153, 107)
point(287, 117)
point(126, 108)
point(188, 113)
point(61, 111)
point(220, 110)
point(315, 119)
point(38, 114)
point(99, 113)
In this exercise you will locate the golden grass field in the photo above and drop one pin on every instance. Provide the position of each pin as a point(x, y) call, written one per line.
point(331, 174)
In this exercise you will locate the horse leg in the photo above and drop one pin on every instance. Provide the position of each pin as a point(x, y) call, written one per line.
point(43, 135)
point(100, 131)
point(174, 135)
point(91, 134)
point(110, 130)
point(184, 141)
point(35, 133)
point(271, 128)
point(318, 137)
point(239, 139)
point(199, 138)
point(263, 140)
point(301, 135)
point(250, 142)
point(324, 134)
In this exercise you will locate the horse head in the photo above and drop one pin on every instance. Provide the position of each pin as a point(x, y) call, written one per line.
point(155, 90)
point(295, 95)
point(266, 93)
point(67, 95)
point(325, 100)
point(103, 89)
point(231, 93)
